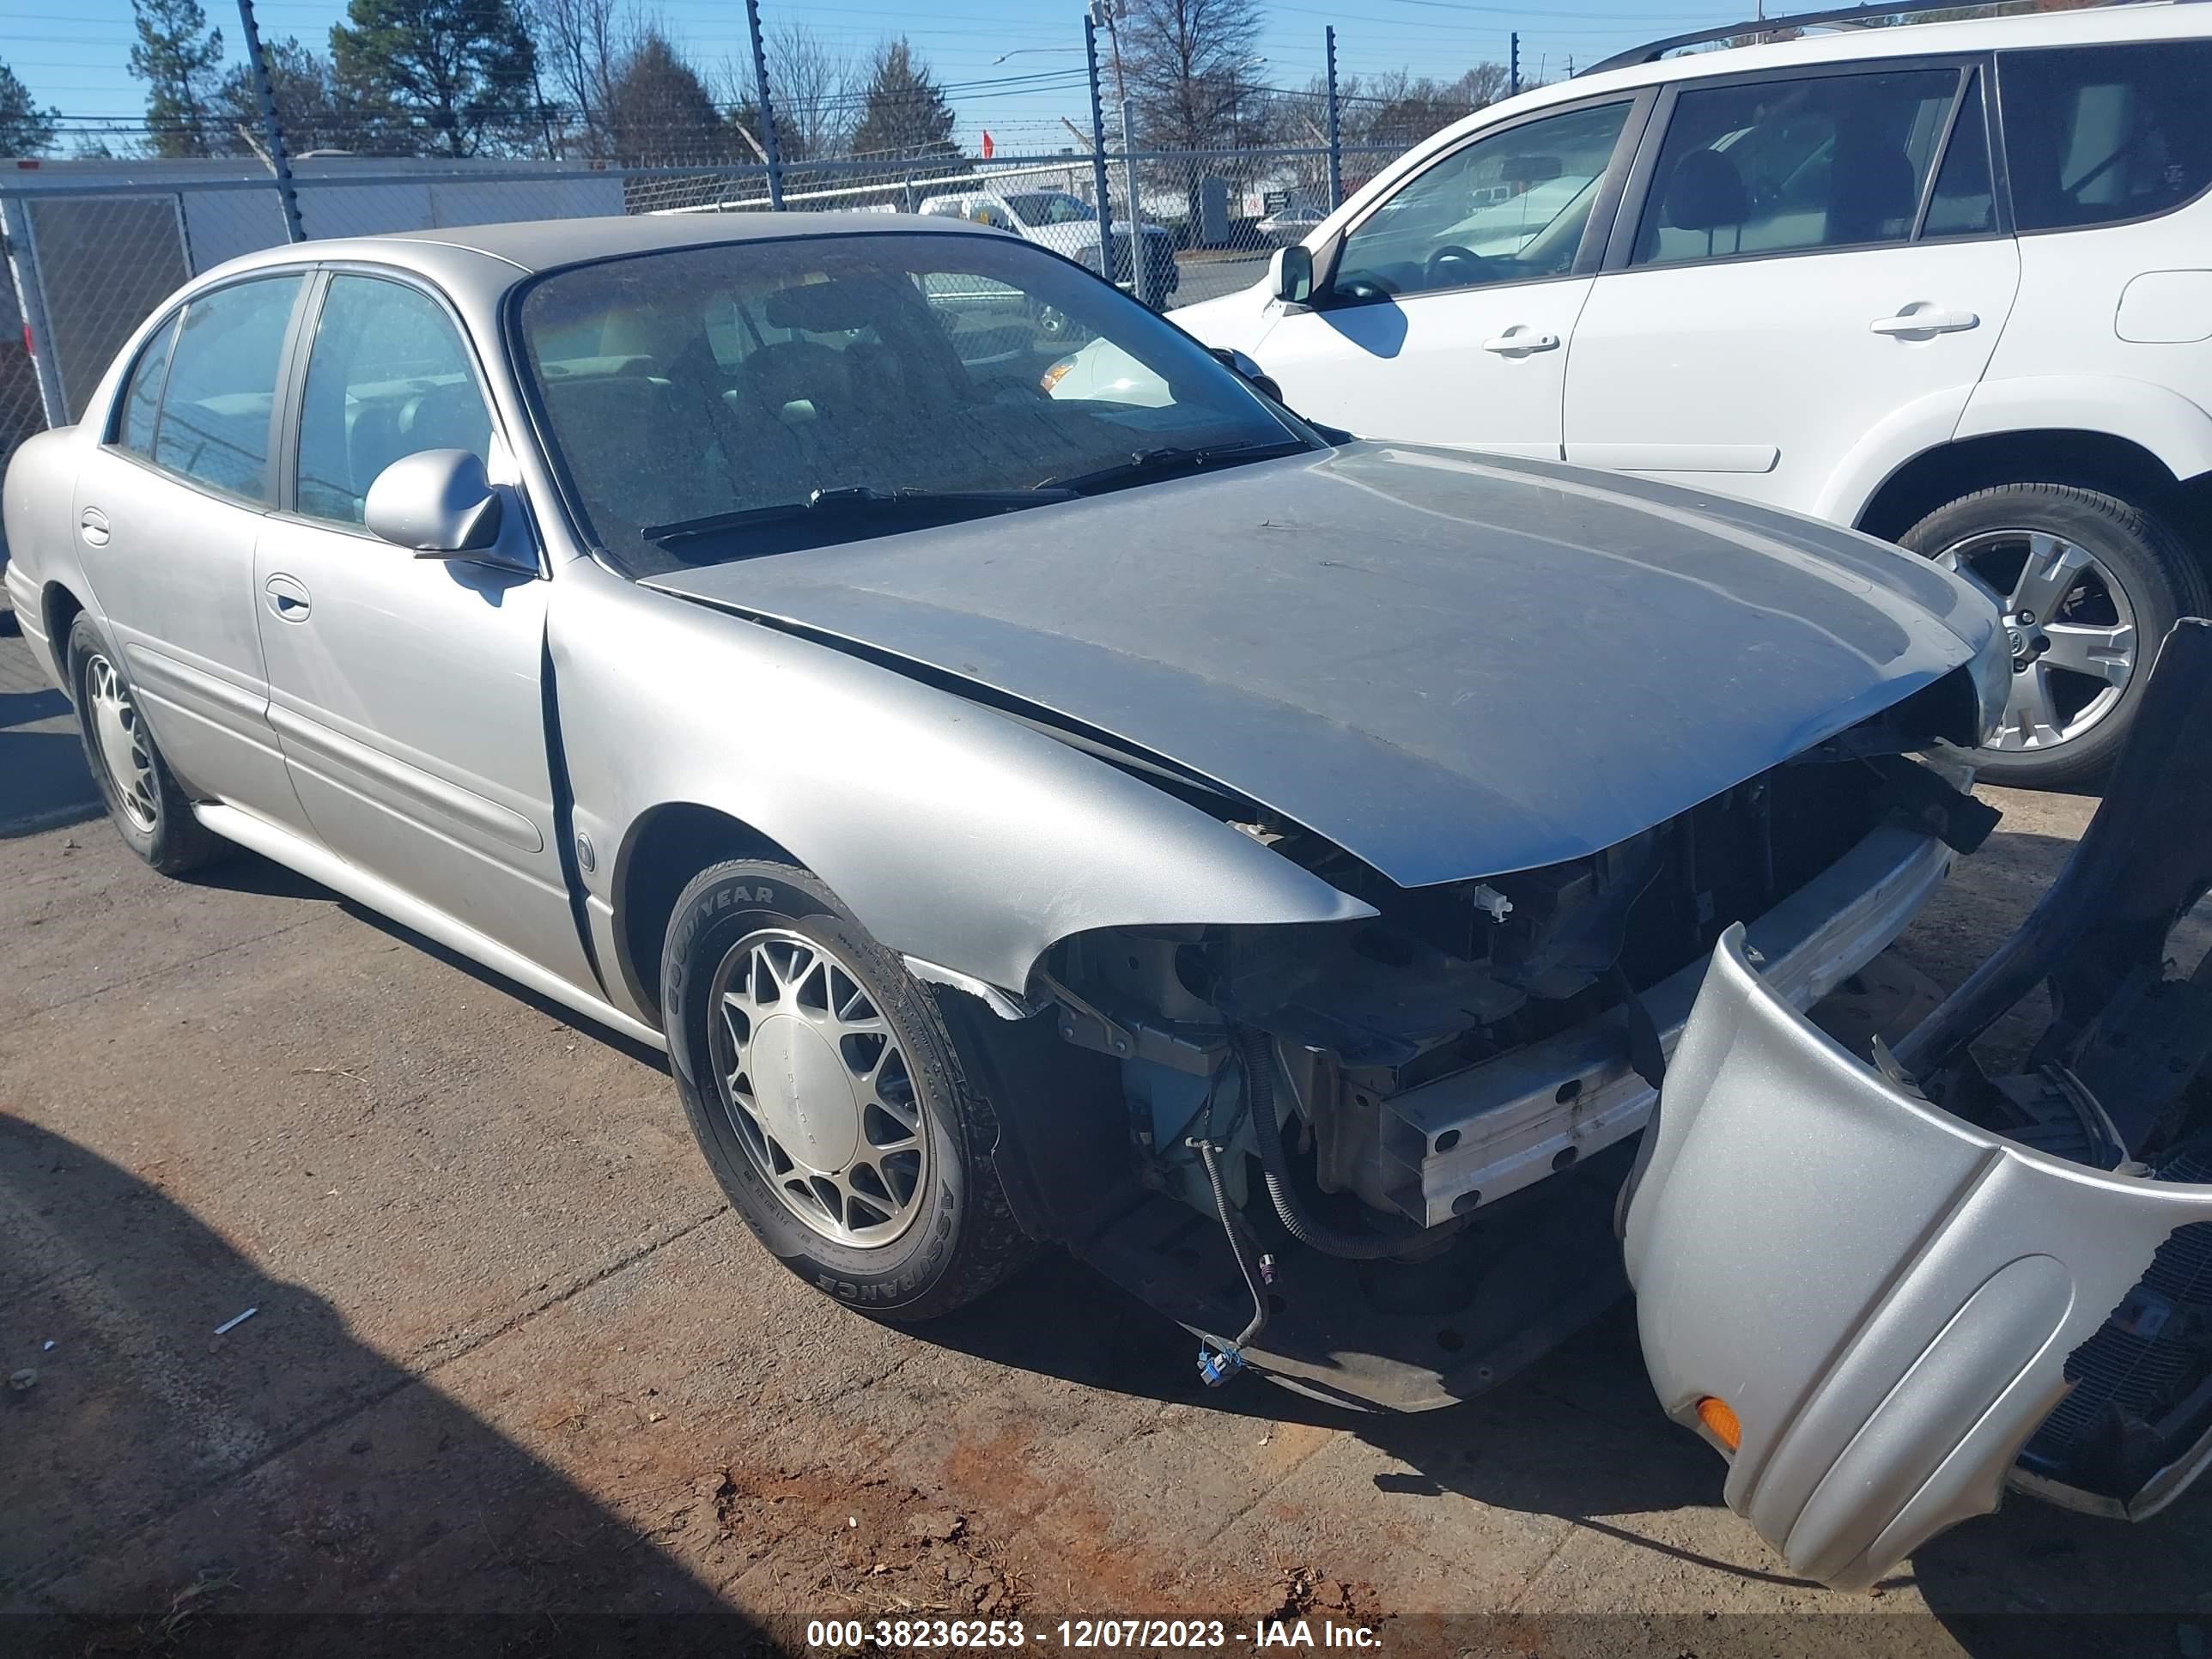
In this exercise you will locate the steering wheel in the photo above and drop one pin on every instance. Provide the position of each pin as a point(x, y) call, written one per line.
point(1439, 273)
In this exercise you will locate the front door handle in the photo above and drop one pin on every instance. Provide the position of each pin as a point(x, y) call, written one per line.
point(1924, 318)
point(287, 600)
point(92, 524)
point(1519, 341)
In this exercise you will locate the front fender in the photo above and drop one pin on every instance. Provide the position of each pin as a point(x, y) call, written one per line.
point(954, 834)
point(2170, 426)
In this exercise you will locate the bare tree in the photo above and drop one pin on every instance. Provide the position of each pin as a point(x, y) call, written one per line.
point(1191, 71)
point(817, 86)
point(582, 46)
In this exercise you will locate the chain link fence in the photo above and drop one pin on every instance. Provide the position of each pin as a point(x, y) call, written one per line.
point(94, 247)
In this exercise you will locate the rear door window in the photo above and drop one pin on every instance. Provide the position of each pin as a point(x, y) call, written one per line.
point(214, 425)
point(1795, 164)
point(2097, 134)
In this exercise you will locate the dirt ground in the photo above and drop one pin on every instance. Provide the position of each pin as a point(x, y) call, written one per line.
point(516, 1380)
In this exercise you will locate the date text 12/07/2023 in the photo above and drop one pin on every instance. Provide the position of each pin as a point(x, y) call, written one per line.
point(903, 1635)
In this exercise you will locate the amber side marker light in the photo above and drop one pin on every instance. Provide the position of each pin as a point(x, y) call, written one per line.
point(1720, 1421)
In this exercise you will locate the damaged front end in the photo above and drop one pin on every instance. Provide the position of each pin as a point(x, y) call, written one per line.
point(1378, 1161)
point(1884, 1285)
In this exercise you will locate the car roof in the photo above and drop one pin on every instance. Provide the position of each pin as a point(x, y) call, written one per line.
point(536, 244)
point(493, 256)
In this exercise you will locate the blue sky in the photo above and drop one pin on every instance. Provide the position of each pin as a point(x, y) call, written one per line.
point(74, 53)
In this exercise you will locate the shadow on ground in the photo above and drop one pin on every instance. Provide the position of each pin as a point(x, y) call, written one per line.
point(43, 779)
point(276, 1488)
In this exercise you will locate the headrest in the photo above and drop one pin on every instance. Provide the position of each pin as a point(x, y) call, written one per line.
point(1869, 191)
point(1704, 192)
point(828, 308)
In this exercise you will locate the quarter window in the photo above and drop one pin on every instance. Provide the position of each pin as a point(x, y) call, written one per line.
point(1509, 208)
point(1782, 167)
point(214, 423)
point(143, 402)
point(2095, 134)
point(387, 377)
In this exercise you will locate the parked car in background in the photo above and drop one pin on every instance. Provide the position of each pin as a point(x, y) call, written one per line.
point(1293, 223)
point(1065, 224)
point(1947, 284)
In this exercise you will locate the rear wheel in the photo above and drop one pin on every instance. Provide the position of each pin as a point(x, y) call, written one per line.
point(150, 812)
point(828, 1096)
point(2089, 586)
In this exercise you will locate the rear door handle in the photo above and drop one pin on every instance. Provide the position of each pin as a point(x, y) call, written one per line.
point(92, 524)
point(1519, 341)
point(1921, 319)
point(287, 600)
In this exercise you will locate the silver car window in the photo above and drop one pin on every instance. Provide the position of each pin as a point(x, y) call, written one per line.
point(214, 425)
point(143, 401)
point(387, 377)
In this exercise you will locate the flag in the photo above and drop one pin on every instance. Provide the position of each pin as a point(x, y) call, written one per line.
point(988, 146)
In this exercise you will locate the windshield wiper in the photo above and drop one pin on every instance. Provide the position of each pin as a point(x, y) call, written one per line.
point(857, 498)
point(1174, 458)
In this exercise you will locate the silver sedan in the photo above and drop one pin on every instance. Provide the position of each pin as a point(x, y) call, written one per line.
point(1272, 865)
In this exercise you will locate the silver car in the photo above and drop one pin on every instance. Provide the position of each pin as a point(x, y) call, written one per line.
point(1274, 866)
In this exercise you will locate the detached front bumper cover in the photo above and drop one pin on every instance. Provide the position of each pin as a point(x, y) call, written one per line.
point(1886, 1295)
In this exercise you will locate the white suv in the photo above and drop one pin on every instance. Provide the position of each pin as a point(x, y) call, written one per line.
point(1951, 285)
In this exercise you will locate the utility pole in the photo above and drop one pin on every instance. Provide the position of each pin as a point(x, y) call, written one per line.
point(1101, 11)
point(1335, 130)
point(768, 109)
point(1513, 63)
point(1098, 153)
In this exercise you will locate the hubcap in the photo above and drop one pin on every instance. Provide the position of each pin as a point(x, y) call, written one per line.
point(817, 1085)
point(122, 743)
point(2070, 627)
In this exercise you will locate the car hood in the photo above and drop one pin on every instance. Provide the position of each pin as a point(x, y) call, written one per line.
point(1450, 666)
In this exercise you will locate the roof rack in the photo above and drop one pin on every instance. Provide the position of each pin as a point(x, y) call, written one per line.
point(1655, 50)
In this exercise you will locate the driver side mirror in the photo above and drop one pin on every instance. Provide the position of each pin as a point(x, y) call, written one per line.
point(439, 504)
point(1290, 275)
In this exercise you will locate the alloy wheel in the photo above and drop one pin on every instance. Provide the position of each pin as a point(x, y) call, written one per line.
point(2070, 626)
point(123, 744)
point(819, 1088)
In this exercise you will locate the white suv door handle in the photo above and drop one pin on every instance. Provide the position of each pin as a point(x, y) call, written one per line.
point(1925, 319)
point(1518, 342)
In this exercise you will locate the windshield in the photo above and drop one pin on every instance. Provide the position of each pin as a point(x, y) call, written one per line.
point(1050, 207)
point(708, 384)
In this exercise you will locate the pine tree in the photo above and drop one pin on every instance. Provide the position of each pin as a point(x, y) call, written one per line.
point(905, 117)
point(659, 111)
point(177, 56)
point(25, 129)
point(453, 75)
point(308, 109)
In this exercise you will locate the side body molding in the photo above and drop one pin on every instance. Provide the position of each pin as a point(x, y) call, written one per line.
point(956, 835)
point(1884, 1294)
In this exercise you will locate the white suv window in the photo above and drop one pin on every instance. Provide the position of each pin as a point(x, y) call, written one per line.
point(1789, 165)
point(1509, 208)
point(2095, 134)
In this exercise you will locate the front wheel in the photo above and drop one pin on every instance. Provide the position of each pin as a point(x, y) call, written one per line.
point(829, 1098)
point(2089, 586)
